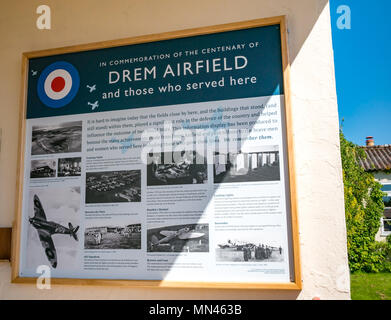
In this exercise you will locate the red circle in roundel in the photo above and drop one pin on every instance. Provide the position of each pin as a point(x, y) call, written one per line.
point(58, 84)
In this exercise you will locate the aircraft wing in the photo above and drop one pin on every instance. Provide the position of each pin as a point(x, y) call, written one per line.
point(167, 233)
point(38, 209)
point(48, 245)
point(191, 235)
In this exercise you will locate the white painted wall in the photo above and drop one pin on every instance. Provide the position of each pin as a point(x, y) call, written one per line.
point(315, 122)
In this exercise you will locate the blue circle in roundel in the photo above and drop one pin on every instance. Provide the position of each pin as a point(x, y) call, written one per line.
point(52, 103)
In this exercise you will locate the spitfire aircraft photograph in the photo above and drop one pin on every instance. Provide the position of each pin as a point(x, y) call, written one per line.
point(53, 227)
point(179, 238)
point(61, 138)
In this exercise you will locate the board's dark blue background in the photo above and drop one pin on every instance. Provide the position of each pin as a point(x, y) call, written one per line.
point(265, 63)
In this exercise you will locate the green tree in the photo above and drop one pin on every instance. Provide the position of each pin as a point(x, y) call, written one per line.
point(363, 209)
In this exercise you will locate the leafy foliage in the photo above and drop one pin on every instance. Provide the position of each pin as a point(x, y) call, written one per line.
point(363, 209)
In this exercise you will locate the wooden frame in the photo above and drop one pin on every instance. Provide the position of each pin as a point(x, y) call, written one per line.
point(296, 284)
point(5, 243)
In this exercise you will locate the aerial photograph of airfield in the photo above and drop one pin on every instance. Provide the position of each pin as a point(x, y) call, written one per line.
point(113, 237)
point(61, 138)
point(179, 238)
point(113, 186)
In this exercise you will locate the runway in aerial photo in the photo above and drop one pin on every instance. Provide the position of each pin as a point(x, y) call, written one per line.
point(61, 138)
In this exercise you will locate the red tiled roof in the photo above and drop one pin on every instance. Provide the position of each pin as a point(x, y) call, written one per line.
point(378, 158)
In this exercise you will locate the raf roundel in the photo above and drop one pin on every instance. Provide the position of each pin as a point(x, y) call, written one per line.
point(58, 84)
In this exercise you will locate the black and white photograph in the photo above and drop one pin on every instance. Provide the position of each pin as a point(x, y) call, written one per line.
point(179, 238)
point(53, 228)
point(113, 237)
point(69, 167)
point(60, 138)
point(43, 168)
point(113, 186)
point(249, 251)
point(162, 170)
point(262, 165)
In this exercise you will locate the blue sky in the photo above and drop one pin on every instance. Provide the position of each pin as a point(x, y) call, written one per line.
point(363, 70)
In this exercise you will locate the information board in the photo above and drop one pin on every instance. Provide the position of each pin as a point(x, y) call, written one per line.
point(162, 160)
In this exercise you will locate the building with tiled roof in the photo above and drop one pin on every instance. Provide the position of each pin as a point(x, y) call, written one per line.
point(378, 158)
point(378, 162)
